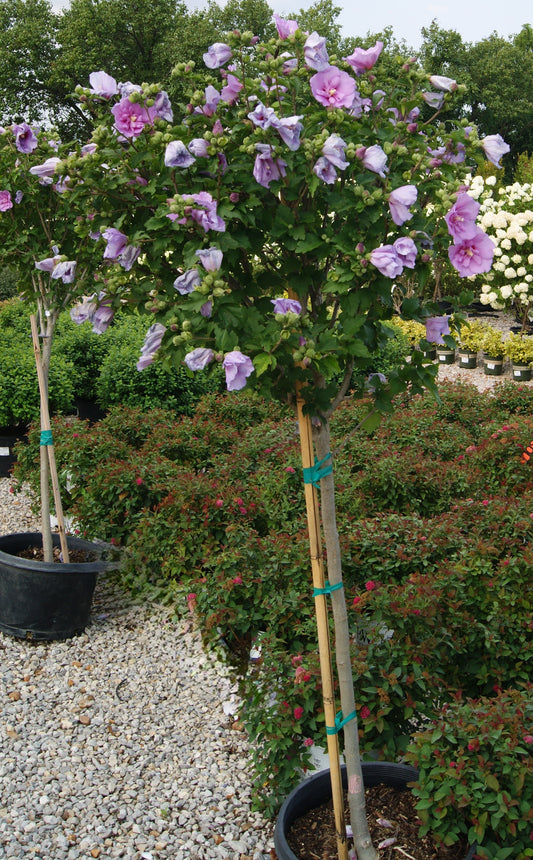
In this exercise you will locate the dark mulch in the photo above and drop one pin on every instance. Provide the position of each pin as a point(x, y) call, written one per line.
point(312, 837)
point(35, 553)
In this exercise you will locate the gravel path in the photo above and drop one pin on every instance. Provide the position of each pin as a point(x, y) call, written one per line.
point(116, 743)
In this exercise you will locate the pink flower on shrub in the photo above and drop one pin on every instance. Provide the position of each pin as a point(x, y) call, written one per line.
point(365, 712)
point(301, 676)
point(298, 713)
point(219, 503)
point(191, 601)
point(131, 117)
point(363, 59)
point(139, 481)
point(472, 256)
point(285, 26)
point(237, 580)
point(333, 88)
point(528, 739)
point(356, 600)
point(290, 469)
point(370, 585)
point(308, 742)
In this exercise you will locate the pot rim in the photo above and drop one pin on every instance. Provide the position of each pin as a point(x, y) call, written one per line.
point(15, 540)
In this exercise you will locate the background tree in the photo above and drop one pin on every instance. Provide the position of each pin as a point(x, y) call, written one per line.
point(28, 50)
point(498, 75)
point(253, 15)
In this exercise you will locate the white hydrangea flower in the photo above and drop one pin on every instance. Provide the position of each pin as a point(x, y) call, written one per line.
point(486, 288)
point(506, 244)
point(505, 259)
point(484, 299)
point(490, 180)
point(510, 272)
point(506, 291)
point(516, 259)
point(499, 267)
point(521, 272)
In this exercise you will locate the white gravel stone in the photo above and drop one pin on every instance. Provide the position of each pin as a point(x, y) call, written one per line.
point(156, 773)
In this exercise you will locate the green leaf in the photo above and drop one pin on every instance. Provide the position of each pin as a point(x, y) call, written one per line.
point(263, 361)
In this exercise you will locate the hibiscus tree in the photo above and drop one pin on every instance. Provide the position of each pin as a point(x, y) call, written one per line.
point(273, 224)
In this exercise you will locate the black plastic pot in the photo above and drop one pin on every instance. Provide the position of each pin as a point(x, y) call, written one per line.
point(316, 790)
point(40, 600)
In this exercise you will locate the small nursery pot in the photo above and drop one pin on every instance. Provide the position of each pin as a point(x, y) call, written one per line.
point(492, 366)
point(467, 359)
point(316, 790)
point(41, 600)
point(521, 372)
point(446, 356)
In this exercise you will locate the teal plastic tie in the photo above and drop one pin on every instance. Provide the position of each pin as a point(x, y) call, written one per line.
point(340, 723)
point(46, 437)
point(327, 588)
point(313, 474)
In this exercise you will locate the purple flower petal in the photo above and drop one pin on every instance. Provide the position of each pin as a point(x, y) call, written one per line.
point(472, 256)
point(285, 27)
point(187, 282)
point(217, 54)
point(210, 258)
point(238, 368)
point(333, 88)
point(286, 306)
point(362, 60)
point(103, 84)
point(436, 327)
point(399, 201)
point(494, 147)
point(177, 155)
point(315, 52)
point(461, 219)
point(199, 358)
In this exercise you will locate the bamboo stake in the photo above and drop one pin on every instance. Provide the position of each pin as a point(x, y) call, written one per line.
point(321, 609)
point(46, 426)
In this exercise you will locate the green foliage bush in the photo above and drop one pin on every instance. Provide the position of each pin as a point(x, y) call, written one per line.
point(19, 389)
point(119, 382)
point(434, 511)
point(8, 283)
point(476, 774)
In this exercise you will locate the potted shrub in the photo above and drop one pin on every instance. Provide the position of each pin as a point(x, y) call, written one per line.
point(493, 351)
point(263, 230)
point(519, 349)
point(415, 332)
point(471, 342)
point(39, 239)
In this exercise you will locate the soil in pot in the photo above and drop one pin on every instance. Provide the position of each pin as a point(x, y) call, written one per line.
point(312, 837)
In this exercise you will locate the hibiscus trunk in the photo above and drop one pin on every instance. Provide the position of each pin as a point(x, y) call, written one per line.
point(356, 793)
point(321, 608)
point(47, 456)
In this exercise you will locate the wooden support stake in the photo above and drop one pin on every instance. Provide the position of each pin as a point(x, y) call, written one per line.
point(46, 426)
point(321, 608)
